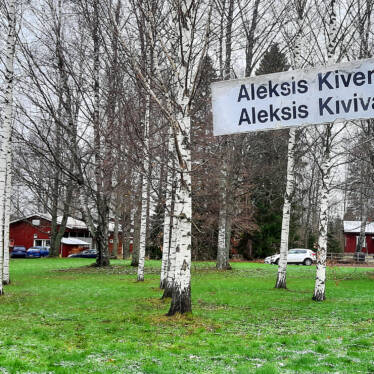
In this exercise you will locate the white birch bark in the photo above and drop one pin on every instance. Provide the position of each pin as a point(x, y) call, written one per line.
point(185, 58)
point(7, 125)
point(168, 213)
point(116, 227)
point(230, 211)
point(187, 79)
point(362, 238)
point(8, 192)
point(171, 265)
point(224, 226)
point(143, 214)
point(221, 247)
point(361, 243)
point(282, 264)
point(281, 281)
point(320, 283)
point(181, 296)
point(136, 223)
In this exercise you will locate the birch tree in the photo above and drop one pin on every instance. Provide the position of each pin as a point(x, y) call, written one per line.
point(144, 193)
point(5, 149)
point(300, 6)
point(7, 212)
point(190, 57)
point(320, 283)
point(167, 256)
point(192, 19)
point(224, 226)
point(147, 50)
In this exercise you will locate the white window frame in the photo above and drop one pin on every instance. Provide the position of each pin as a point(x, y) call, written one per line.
point(45, 242)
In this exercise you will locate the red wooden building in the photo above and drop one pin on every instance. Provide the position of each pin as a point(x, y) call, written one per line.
point(35, 230)
point(352, 233)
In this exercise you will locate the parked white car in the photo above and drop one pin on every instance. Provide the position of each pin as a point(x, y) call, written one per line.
point(295, 256)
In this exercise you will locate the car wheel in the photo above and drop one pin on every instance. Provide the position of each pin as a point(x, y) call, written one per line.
point(307, 262)
point(276, 262)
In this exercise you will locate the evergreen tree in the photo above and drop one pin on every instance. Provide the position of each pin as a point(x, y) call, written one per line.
point(204, 179)
point(274, 61)
point(269, 172)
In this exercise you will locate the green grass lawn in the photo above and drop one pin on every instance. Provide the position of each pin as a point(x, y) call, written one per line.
point(59, 316)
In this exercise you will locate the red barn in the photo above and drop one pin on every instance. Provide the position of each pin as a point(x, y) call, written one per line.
point(35, 230)
point(352, 233)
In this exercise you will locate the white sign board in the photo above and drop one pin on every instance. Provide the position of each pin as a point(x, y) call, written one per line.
point(294, 98)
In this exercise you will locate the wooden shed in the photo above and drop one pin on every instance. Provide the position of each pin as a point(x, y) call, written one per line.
point(72, 245)
point(352, 233)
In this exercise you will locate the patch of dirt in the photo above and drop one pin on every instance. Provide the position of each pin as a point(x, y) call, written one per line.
point(111, 269)
point(188, 321)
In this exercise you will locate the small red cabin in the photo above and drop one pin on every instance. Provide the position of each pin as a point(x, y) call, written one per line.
point(352, 233)
point(35, 230)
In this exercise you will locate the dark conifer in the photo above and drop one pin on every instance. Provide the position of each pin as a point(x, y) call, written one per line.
point(274, 61)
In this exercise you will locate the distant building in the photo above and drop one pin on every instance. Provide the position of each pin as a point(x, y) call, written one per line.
point(352, 233)
point(35, 230)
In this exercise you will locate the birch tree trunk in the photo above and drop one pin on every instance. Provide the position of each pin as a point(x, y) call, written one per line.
point(135, 245)
point(116, 227)
point(7, 126)
point(127, 226)
point(361, 243)
point(361, 239)
point(102, 174)
point(190, 63)
point(171, 264)
point(320, 284)
point(230, 211)
point(185, 56)
point(168, 221)
point(281, 281)
point(145, 190)
point(251, 40)
point(8, 192)
point(282, 264)
point(222, 257)
point(221, 247)
point(181, 296)
point(137, 213)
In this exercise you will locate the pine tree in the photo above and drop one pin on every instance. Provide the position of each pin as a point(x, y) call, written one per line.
point(269, 177)
point(274, 61)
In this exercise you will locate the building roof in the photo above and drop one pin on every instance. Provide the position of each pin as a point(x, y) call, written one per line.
point(355, 227)
point(72, 223)
point(73, 241)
